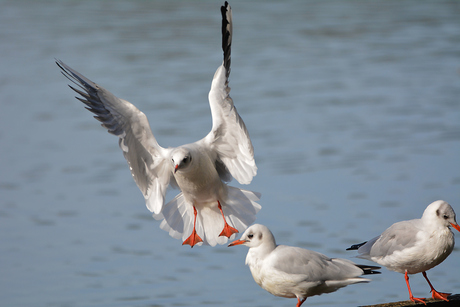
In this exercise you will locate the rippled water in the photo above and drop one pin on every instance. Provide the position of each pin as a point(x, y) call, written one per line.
point(353, 108)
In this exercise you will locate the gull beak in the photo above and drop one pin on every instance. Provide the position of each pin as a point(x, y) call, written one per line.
point(237, 242)
point(176, 168)
point(455, 226)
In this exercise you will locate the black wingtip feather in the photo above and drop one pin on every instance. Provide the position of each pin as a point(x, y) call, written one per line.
point(226, 36)
point(83, 94)
point(369, 269)
point(89, 97)
point(356, 246)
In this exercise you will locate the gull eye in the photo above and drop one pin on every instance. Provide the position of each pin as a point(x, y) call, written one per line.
point(186, 159)
point(445, 216)
point(250, 236)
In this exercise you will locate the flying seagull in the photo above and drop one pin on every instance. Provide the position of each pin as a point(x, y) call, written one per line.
point(207, 210)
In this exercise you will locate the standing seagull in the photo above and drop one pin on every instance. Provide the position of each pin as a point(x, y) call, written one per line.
point(415, 246)
point(290, 272)
point(207, 210)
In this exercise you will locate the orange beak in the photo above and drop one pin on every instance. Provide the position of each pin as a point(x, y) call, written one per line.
point(455, 226)
point(237, 242)
point(176, 168)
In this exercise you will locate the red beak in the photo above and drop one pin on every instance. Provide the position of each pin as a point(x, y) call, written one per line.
point(176, 168)
point(237, 242)
point(455, 226)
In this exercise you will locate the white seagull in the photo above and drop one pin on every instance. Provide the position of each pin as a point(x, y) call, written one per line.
point(207, 210)
point(415, 246)
point(291, 272)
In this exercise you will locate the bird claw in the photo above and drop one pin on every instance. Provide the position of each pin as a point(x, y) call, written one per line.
point(440, 295)
point(228, 231)
point(193, 239)
point(417, 300)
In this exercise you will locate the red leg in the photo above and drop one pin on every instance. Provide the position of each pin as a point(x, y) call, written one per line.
point(194, 237)
point(300, 302)
point(435, 294)
point(411, 297)
point(228, 230)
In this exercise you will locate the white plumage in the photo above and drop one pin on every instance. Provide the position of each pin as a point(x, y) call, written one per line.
point(295, 272)
point(415, 246)
point(207, 210)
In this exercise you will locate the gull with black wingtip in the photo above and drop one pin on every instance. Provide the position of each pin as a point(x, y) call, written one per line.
point(207, 210)
point(294, 272)
point(415, 246)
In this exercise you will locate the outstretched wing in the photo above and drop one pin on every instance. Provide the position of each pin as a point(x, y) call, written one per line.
point(229, 137)
point(149, 168)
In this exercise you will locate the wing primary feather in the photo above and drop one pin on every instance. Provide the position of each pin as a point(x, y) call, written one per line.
point(356, 246)
point(227, 37)
point(369, 269)
point(121, 118)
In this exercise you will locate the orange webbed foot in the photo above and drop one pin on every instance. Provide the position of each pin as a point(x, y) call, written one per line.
point(228, 231)
point(193, 239)
point(440, 295)
point(417, 300)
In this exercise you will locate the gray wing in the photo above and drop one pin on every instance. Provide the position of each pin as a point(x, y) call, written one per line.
point(229, 137)
point(147, 160)
point(315, 266)
point(398, 236)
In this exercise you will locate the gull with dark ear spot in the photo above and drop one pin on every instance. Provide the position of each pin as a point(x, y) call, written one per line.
point(207, 210)
point(294, 272)
point(415, 246)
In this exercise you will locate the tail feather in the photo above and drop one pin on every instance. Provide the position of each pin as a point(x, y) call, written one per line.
point(175, 213)
point(334, 285)
point(239, 209)
point(210, 223)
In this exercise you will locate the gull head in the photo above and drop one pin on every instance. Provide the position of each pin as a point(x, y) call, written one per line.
point(255, 236)
point(181, 158)
point(440, 213)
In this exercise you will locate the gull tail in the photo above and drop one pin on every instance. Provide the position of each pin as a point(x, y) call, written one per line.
point(240, 209)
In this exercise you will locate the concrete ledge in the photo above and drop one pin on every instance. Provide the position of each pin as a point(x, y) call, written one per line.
point(454, 300)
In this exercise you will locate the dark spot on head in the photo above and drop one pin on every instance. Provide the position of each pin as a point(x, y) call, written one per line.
point(437, 212)
point(260, 236)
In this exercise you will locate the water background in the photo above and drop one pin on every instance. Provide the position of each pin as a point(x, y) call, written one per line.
point(353, 108)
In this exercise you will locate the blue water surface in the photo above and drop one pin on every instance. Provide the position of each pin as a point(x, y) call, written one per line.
point(352, 106)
